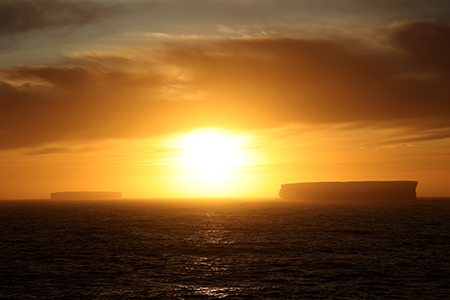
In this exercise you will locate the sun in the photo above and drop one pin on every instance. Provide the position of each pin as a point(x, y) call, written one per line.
point(210, 163)
point(211, 152)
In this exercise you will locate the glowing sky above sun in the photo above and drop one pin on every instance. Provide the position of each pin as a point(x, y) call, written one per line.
point(174, 98)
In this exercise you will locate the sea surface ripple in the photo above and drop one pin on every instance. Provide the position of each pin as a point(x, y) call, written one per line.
point(230, 249)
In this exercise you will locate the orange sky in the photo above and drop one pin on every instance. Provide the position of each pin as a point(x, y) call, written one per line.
point(117, 95)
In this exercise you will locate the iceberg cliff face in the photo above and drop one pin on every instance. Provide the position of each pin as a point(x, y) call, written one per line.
point(85, 195)
point(351, 190)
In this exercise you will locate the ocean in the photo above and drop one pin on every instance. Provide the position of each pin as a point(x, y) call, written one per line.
point(224, 249)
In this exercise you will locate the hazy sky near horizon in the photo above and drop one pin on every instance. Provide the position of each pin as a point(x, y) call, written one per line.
point(96, 95)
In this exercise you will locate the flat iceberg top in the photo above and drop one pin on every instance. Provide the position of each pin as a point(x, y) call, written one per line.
point(349, 190)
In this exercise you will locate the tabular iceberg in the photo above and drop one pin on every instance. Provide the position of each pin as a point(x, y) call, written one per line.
point(349, 190)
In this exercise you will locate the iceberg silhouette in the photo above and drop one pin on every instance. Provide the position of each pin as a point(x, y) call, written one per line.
point(350, 190)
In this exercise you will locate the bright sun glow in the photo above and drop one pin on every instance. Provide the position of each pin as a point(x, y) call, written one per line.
point(211, 162)
point(211, 152)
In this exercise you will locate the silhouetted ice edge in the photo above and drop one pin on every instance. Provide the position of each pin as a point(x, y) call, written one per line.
point(349, 190)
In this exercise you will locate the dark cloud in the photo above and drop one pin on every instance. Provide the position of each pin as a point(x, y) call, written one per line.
point(247, 84)
point(416, 9)
point(389, 10)
point(332, 81)
point(381, 10)
point(18, 16)
point(427, 42)
point(76, 102)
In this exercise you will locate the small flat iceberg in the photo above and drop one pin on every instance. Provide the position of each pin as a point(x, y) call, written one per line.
point(350, 190)
point(85, 195)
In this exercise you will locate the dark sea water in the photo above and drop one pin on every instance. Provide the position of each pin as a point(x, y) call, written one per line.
point(240, 249)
